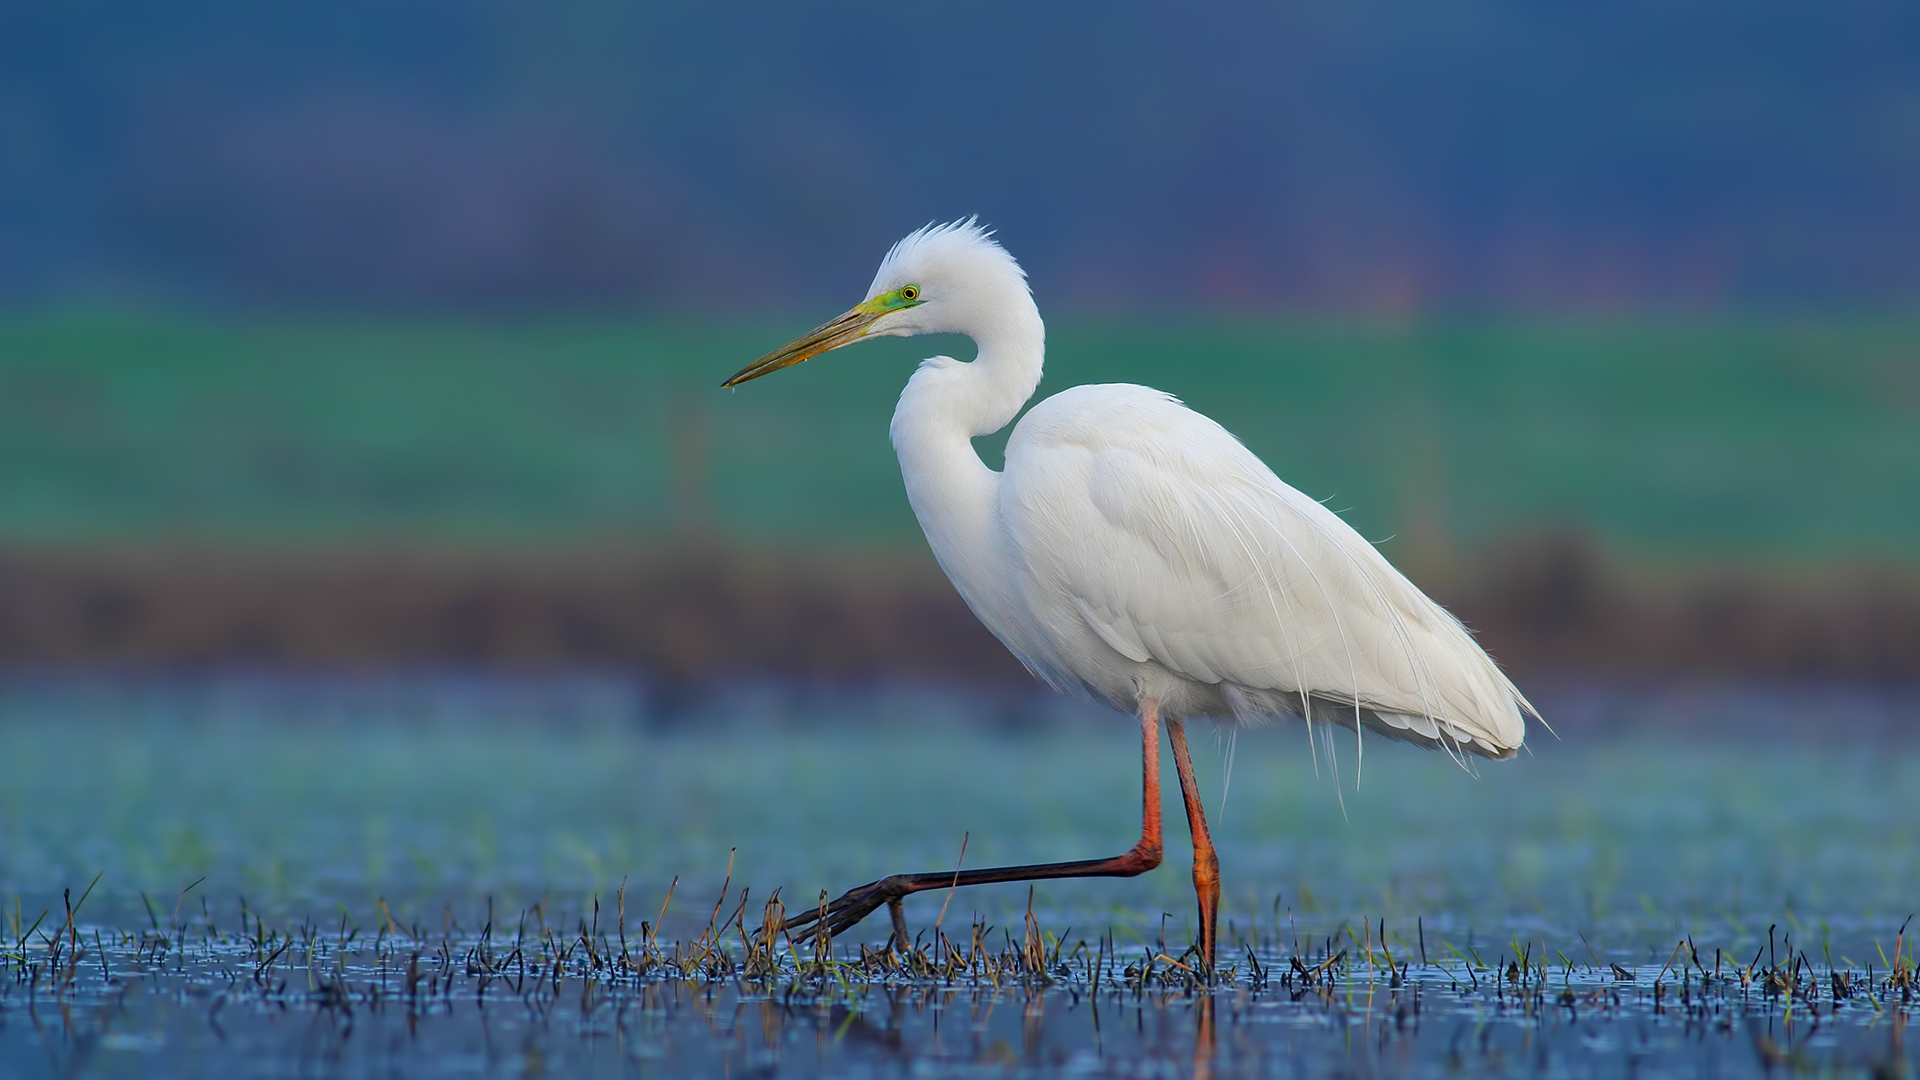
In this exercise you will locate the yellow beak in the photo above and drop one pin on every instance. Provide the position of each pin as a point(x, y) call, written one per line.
point(844, 330)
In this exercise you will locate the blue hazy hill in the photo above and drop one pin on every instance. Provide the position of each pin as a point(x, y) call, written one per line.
point(1380, 155)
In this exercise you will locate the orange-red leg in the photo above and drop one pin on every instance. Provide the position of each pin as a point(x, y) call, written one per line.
point(857, 904)
point(1206, 864)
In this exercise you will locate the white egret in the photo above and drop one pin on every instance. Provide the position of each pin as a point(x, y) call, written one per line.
point(1135, 551)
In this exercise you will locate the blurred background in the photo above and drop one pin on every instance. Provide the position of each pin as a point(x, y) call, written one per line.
point(385, 335)
point(376, 545)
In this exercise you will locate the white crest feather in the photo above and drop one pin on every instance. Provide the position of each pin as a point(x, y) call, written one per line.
point(935, 246)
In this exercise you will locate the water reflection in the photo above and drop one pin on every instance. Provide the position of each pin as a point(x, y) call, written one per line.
point(1496, 909)
point(83, 1001)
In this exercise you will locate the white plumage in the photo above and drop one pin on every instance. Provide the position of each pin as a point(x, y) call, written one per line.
point(1162, 557)
point(1134, 550)
point(1132, 547)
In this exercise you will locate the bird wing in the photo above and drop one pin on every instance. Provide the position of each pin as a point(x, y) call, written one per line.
point(1174, 543)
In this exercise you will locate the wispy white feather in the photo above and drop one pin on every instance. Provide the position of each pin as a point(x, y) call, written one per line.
point(1133, 548)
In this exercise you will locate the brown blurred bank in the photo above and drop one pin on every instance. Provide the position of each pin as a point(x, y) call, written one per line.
point(695, 611)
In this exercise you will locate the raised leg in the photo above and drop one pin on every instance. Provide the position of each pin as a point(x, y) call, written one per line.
point(900, 940)
point(857, 904)
point(1206, 865)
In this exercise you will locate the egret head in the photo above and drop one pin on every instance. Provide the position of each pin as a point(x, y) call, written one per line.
point(950, 278)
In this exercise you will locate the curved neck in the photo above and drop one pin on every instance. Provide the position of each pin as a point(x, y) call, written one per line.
point(947, 400)
point(945, 405)
point(984, 396)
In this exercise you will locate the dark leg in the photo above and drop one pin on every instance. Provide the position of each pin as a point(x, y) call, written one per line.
point(842, 914)
point(900, 939)
point(1206, 865)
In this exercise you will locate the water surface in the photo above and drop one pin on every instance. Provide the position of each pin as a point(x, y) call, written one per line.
point(456, 876)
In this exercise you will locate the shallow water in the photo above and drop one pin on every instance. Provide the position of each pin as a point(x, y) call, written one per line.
point(376, 878)
point(454, 1004)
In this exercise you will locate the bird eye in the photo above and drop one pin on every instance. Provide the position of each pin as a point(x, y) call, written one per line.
point(911, 292)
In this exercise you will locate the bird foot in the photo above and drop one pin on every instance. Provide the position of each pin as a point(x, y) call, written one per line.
point(838, 916)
